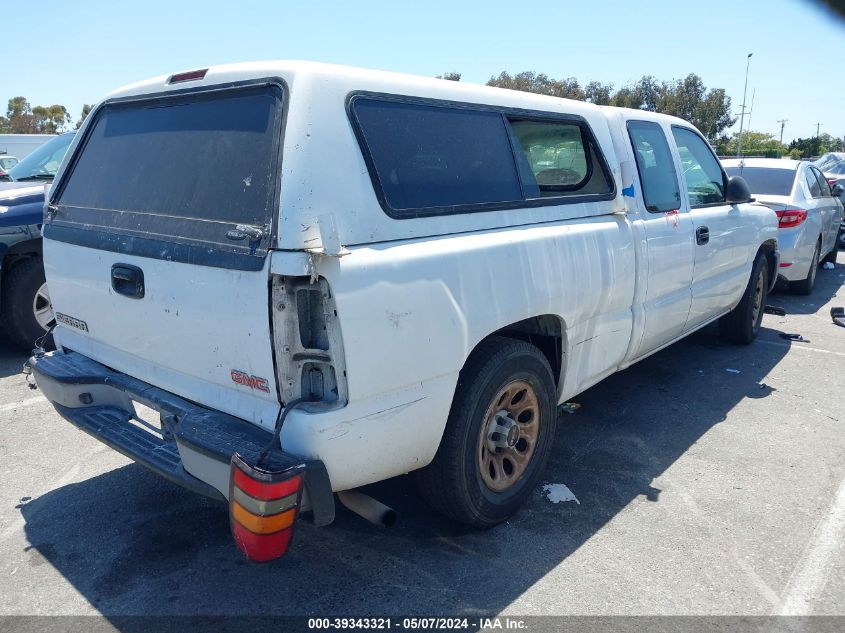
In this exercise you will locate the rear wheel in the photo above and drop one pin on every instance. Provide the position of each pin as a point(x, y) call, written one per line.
point(498, 436)
point(27, 311)
point(742, 324)
point(805, 286)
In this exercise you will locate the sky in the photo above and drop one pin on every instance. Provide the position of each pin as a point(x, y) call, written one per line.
point(75, 54)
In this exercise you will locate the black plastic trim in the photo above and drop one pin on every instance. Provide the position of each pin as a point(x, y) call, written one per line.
point(508, 112)
point(152, 248)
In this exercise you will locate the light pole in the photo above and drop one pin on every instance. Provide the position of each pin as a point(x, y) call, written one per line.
point(742, 114)
point(782, 125)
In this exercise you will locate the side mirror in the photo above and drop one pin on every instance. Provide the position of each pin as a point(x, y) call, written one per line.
point(738, 191)
point(837, 190)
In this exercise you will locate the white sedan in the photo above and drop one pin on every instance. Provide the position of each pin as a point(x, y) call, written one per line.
point(808, 214)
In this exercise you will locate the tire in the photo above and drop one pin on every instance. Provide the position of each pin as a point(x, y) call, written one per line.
point(831, 256)
point(24, 291)
point(469, 480)
point(742, 324)
point(805, 286)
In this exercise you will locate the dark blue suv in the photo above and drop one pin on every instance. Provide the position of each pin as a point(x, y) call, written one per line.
point(25, 310)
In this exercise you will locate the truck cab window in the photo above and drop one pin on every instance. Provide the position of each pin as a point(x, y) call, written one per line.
point(703, 176)
point(654, 163)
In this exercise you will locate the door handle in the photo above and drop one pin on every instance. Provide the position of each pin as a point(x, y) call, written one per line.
point(127, 280)
point(702, 235)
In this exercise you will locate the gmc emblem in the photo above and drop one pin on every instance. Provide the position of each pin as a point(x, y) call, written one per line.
point(253, 382)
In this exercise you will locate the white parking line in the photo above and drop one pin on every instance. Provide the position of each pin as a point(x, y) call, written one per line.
point(22, 403)
point(806, 584)
point(799, 346)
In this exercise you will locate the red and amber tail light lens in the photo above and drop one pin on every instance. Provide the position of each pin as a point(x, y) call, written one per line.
point(262, 508)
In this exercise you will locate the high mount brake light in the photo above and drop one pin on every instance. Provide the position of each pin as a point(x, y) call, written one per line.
point(790, 217)
point(262, 508)
point(191, 75)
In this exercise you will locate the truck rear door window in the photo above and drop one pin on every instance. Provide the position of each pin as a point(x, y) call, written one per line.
point(185, 169)
point(430, 157)
point(658, 178)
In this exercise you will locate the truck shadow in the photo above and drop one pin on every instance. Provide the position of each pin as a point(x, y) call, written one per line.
point(131, 543)
point(12, 357)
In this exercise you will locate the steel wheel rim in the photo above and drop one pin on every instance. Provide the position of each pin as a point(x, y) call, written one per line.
point(757, 303)
point(509, 435)
point(42, 308)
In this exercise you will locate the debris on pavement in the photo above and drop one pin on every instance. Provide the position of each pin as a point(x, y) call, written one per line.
point(794, 337)
point(774, 310)
point(568, 407)
point(829, 266)
point(559, 492)
point(733, 371)
point(838, 316)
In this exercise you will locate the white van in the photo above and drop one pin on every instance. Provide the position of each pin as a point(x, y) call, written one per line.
point(392, 273)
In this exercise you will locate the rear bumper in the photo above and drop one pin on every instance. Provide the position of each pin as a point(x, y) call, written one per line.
point(194, 446)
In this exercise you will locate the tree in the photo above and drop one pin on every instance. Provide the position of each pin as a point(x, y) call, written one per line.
point(815, 146)
point(688, 98)
point(528, 81)
point(450, 76)
point(51, 119)
point(22, 118)
point(86, 110)
point(19, 116)
point(753, 144)
point(598, 93)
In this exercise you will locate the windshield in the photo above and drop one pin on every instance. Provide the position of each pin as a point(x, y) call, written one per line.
point(830, 161)
point(837, 169)
point(43, 162)
point(766, 180)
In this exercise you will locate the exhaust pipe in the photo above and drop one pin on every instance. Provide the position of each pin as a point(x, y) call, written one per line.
point(365, 506)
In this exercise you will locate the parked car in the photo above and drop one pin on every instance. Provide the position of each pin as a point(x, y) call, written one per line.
point(6, 163)
point(25, 310)
point(417, 293)
point(808, 212)
point(832, 165)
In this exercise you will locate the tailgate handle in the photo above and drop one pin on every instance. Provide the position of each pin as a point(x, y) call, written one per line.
point(127, 280)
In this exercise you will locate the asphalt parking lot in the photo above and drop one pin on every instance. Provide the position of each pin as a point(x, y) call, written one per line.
point(710, 479)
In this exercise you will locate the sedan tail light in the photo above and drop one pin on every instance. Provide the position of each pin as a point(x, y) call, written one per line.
point(790, 217)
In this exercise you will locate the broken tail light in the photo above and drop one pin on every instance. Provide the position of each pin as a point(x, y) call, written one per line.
point(262, 508)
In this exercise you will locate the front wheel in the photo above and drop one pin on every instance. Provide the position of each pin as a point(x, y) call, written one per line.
point(742, 324)
point(498, 436)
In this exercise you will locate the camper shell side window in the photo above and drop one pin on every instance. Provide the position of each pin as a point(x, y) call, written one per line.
point(428, 157)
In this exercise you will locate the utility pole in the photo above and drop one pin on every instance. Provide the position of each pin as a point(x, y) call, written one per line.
point(742, 115)
point(751, 111)
point(782, 125)
point(818, 125)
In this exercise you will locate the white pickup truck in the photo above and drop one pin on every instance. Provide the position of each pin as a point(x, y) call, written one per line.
point(322, 277)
